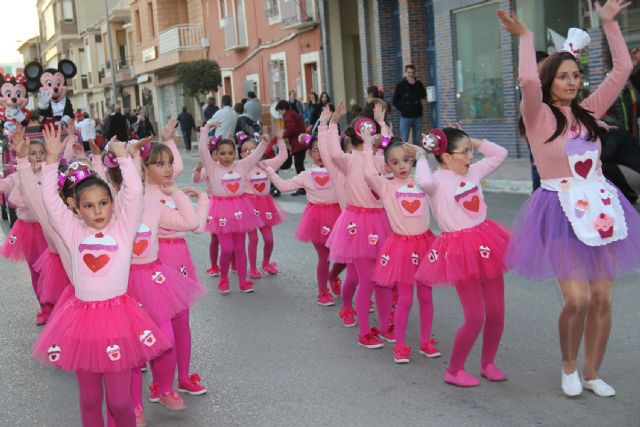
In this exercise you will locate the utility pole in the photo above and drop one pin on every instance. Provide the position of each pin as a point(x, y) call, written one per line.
point(113, 63)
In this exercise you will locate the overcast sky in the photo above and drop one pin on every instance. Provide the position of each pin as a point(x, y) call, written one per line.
point(20, 22)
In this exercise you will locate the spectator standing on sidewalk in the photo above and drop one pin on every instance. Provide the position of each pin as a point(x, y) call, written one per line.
point(117, 126)
point(408, 100)
point(225, 119)
point(293, 127)
point(187, 124)
point(253, 108)
point(210, 109)
point(294, 103)
point(87, 128)
point(143, 127)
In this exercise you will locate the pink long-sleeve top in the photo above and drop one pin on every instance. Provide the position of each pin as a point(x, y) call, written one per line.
point(32, 193)
point(228, 181)
point(157, 214)
point(257, 182)
point(456, 200)
point(358, 192)
point(7, 183)
point(202, 211)
point(316, 181)
point(404, 202)
point(326, 135)
point(16, 198)
point(551, 158)
point(100, 259)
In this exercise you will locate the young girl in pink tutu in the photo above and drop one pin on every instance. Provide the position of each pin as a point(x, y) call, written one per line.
point(26, 241)
point(361, 228)
point(165, 292)
point(199, 175)
point(577, 228)
point(100, 333)
point(404, 249)
point(231, 214)
point(257, 186)
point(469, 252)
point(319, 215)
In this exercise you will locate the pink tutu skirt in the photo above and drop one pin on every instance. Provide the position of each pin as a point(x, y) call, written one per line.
point(52, 278)
point(67, 293)
point(25, 242)
point(317, 221)
point(175, 253)
point(400, 257)
point(472, 254)
point(162, 290)
point(232, 215)
point(358, 234)
point(99, 336)
point(270, 212)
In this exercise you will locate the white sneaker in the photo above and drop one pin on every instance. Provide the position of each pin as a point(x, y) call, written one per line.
point(571, 385)
point(599, 387)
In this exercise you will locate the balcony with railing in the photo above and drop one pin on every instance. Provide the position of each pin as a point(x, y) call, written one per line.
point(235, 32)
point(297, 14)
point(182, 37)
point(124, 71)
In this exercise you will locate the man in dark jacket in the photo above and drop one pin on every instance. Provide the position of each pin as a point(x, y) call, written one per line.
point(210, 109)
point(187, 124)
point(293, 127)
point(408, 100)
point(118, 126)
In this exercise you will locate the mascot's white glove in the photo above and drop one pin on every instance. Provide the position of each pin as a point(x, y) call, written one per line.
point(44, 98)
point(9, 127)
point(16, 114)
point(65, 120)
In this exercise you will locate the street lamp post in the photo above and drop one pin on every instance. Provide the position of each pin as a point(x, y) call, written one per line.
point(113, 64)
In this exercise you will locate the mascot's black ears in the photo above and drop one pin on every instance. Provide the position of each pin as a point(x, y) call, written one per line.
point(34, 70)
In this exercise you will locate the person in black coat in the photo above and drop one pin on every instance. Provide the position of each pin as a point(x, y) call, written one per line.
point(118, 126)
point(187, 124)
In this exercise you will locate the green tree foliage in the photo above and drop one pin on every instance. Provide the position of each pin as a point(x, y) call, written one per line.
point(199, 77)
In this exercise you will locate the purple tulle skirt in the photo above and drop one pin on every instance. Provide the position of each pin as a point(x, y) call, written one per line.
point(543, 244)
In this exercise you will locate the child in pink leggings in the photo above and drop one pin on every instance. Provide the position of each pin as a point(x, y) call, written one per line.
point(469, 254)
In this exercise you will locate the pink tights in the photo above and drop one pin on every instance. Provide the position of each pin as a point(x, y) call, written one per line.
point(479, 300)
point(163, 368)
point(117, 387)
point(213, 249)
point(349, 286)
point(337, 269)
point(405, 301)
point(267, 239)
point(182, 334)
point(364, 267)
point(233, 244)
point(322, 269)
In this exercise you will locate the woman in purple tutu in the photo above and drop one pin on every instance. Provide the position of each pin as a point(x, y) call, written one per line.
point(576, 228)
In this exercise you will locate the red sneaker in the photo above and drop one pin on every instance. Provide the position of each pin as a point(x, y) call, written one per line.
point(172, 401)
point(388, 335)
point(429, 349)
point(213, 271)
point(325, 299)
point(370, 340)
point(247, 287)
point(348, 316)
point(336, 285)
point(401, 354)
point(192, 387)
point(223, 286)
point(271, 268)
point(154, 395)
point(42, 317)
point(461, 379)
point(255, 274)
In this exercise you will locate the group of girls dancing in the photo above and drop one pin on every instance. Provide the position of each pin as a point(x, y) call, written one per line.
point(104, 238)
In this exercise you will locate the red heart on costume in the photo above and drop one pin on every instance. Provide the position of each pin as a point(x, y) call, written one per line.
point(140, 246)
point(233, 187)
point(473, 204)
point(259, 187)
point(321, 180)
point(95, 263)
point(583, 167)
point(411, 207)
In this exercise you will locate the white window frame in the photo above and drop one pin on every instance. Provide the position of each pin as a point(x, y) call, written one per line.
point(220, 15)
point(308, 58)
point(254, 78)
point(282, 56)
point(273, 20)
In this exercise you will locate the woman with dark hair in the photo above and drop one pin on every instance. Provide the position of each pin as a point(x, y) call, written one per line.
point(576, 228)
point(311, 108)
point(325, 99)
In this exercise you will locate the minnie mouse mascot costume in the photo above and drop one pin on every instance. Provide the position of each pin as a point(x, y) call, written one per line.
point(13, 102)
point(53, 104)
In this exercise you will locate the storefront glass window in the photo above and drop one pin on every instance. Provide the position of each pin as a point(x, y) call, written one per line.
point(478, 65)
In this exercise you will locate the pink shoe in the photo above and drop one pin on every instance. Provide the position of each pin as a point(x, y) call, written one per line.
point(336, 285)
point(255, 274)
point(389, 335)
point(223, 286)
point(271, 268)
point(141, 421)
point(429, 349)
point(370, 340)
point(192, 387)
point(401, 354)
point(348, 316)
point(154, 395)
point(492, 373)
point(461, 379)
point(172, 401)
point(247, 287)
point(325, 299)
point(42, 317)
point(213, 271)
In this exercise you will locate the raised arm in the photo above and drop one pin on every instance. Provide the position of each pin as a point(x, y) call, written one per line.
point(130, 200)
point(203, 149)
point(7, 184)
point(371, 175)
point(284, 185)
point(199, 174)
point(493, 154)
point(278, 160)
point(168, 134)
point(183, 219)
point(424, 178)
point(245, 165)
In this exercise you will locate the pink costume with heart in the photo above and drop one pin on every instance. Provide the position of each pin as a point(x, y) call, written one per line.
point(258, 186)
point(360, 229)
point(576, 227)
point(469, 253)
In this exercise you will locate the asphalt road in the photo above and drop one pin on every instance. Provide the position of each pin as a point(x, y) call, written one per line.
point(275, 358)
